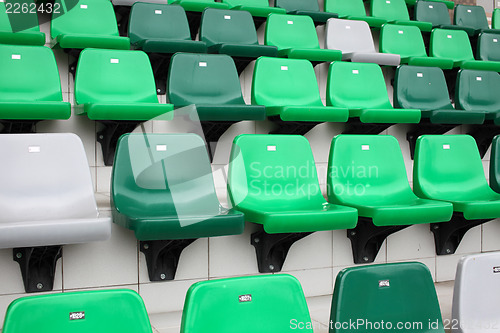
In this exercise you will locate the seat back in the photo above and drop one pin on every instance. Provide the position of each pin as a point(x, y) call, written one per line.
point(470, 16)
point(221, 305)
point(115, 76)
point(78, 312)
point(282, 82)
point(345, 8)
point(158, 21)
point(292, 5)
point(495, 164)
point(227, 26)
point(451, 44)
point(390, 9)
point(356, 86)
point(404, 40)
point(421, 88)
point(291, 31)
point(16, 21)
point(247, 3)
point(203, 79)
point(432, 11)
point(477, 90)
point(489, 47)
point(395, 293)
point(495, 20)
point(349, 36)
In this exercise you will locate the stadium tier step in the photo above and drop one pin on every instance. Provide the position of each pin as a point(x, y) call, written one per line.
point(117, 89)
point(382, 209)
point(355, 40)
point(425, 88)
point(495, 164)
point(30, 88)
point(113, 311)
point(20, 27)
point(289, 90)
point(305, 7)
point(276, 300)
point(47, 201)
point(211, 83)
point(449, 168)
point(472, 19)
point(488, 48)
point(398, 296)
point(395, 11)
point(287, 205)
point(361, 88)
point(407, 41)
point(162, 188)
point(232, 32)
point(352, 10)
point(449, 4)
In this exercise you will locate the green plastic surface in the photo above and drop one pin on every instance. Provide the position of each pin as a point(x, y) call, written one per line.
point(361, 88)
point(449, 168)
point(198, 5)
point(367, 172)
point(425, 88)
point(488, 47)
point(296, 37)
point(449, 4)
point(20, 28)
point(259, 8)
point(30, 88)
point(407, 41)
point(390, 293)
point(116, 85)
point(272, 180)
point(397, 12)
point(353, 10)
point(495, 22)
point(288, 88)
point(161, 28)
point(495, 164)
point(86, 24)
point(305, 7)
point(211, 82)
point(250, 304)
point(110, 311)
point(162, 188)
point(232, 32)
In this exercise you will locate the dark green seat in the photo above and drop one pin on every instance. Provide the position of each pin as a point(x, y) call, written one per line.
point(408, 42)
point(305, 7)
point(455, 45)
point(276, 300)
point(352, 10)
point(393, 294)
point(162, 188)
point(472, 19)
point(296, 37)
point(85, 24)
point(495, 164)
point(259, 8)
point(161, 28)
point(119, 310)
point(488, 48)
point(395, 11)
point(435, 12)
point(449, 4)
point(19, 28)
point(198, 5)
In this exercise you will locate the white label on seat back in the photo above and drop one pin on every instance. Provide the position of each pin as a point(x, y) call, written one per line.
point(348, 27)
point(420, 74)
point(469, 11)
point(355, 71)
point(34, 149)
point(271, 148)
point(284, 68)
point(227, 17)
point(479, 78)
point(245, 298)
point(161, 147)
point(449, 36)
point(384, 283)
point(496, 269)
point(446, 147)
point(401, 32)
point(16, 57)
point(495, 40)
point(365, 147)
point(431, 6)
point(290, 22)
point(77, 315)
point(202, 64)
point(83, 6)
point(387, 1)
point(158, 12)
point(114, 61)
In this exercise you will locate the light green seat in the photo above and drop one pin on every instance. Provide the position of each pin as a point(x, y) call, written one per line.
point(111, 311)
point(495, 19)
point(198, 5)
point(392, 294)
point(361, 88)
point(288, 89)
point(408, 42)
point(449, 4)
point(296, 37)
point(488, 48)
point(265, 304)
point(395, 11)
point(19, 28)
point(305, 7)
point(352, 10)
point(86, 24)
point(259, 8)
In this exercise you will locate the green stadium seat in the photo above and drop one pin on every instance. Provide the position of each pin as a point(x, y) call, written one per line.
point(286, 205)
point(30, 89)
point(449, 168)
point(382, 209)
point(435, 12)
point(495, 19)
point(449, 4)
point(259, 8)
point(162, 188)
point(113, 311)
point(305, 7)
point(19, 28)
point(392, 294)
point(352, 10)
point(296, 37)
point(289, 90)
point(276, 300)
point(495, 164)
point(488, 47)
point(395, 11)
point(361, 88)
point(116, 88)
point(199, 5)
point(455, 45)
point(472, 19)
point(408, 42)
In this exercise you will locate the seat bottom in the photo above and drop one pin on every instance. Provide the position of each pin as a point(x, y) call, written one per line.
point(382, 59)
point(387, 116)
point(250, 51)
point(22, 38)
point(39, 110)
point(309, 113)
point(452, 116)
point(91, 41)
point(312, 54)
point(172, 46)
point(428, 62)
point(133, 112)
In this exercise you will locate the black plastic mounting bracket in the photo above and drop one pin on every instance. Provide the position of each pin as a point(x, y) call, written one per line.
point(213, 130)
point(162, 257)
point(160, 63)
point(484, 134)
point(271, 249)
point(447, 235)
point(355, 126)
point(291, 127)
point(18, 126)
point(108, 137)
point(194, 21)
point(425, 127)
point(122, 17)
point(75, 54)
point(367, 238)
point(241, 63)
point(38, 266)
